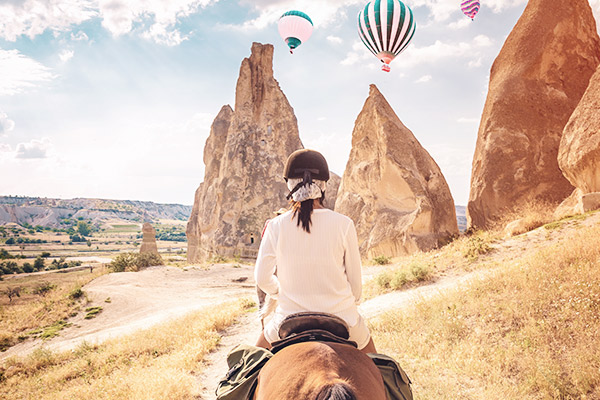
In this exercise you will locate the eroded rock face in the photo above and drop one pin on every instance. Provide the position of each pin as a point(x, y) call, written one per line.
point(392, 188)
point(536, 82)
point(244, 157)
point(148, 239)
point(579, 152)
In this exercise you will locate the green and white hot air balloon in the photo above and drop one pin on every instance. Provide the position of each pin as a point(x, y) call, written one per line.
point(386, 27)
point(295, 27)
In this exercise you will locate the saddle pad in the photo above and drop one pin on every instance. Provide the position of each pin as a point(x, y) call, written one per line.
point(305, 321)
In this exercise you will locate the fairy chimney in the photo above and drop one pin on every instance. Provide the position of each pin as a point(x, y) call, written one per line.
point(392, 188)
point(244, 157)
point(535, 84)
point(148, 239)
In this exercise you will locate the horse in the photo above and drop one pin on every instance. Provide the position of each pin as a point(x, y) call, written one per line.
point(320, 371)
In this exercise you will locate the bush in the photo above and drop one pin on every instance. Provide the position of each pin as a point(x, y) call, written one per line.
point(45, 254)
point(5, 255)
point(10, 241)
point(381, 260)
point(76, 293)
point(43, 288)
point(134, 261)
point(39, 264)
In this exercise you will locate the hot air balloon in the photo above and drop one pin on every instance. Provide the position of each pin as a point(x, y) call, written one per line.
point(295, 28)
point(470, 8)
point(386, 27)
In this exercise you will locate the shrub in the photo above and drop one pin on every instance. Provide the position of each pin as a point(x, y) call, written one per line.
point(420, 272)
point(43, 288)
point(381, 260)
point(76, 293)
point(5, 255)
point(10, 241)
point(45, 254)
point(38, 264)
point(134, 261)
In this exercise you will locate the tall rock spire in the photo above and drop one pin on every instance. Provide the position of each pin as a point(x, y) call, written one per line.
point(392, 188)
point(536, 82)
point(244, 157)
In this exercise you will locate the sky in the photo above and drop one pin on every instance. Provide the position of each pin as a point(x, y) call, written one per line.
point(114, 98)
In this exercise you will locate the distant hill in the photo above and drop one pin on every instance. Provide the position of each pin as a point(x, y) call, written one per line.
point(461, 217)
point(52, 212)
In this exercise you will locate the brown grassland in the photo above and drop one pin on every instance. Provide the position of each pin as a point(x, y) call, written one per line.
point(158, 363)
point(528, 330)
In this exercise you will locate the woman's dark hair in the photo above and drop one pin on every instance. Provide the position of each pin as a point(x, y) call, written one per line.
point(304, 210)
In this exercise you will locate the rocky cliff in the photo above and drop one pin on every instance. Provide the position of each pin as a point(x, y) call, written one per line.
point(392, 188)
point(536, 82)
point(52, 212)
point(244, 157)
point(579, 153)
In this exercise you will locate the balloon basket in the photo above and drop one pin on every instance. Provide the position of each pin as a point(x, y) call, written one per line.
point(386, 68)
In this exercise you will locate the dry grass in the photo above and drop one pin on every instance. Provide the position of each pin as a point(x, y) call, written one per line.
point(159, 363)
point(32, 314)
point(529, 331)
point(531, 215)
point(460, 255)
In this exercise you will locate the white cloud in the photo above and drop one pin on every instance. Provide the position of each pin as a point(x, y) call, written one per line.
point(66, 55)
point(6, 124)
point(33, 149)
point(334, 39)
point(424, 79)
point(80, 36)
point(33, 17)
point(441, 10)
point(5, 148)
point(19, 73)
point(414, 56)
point(475, 63)
point(154, 19)
point(460, 24)
point(322, 13)
point(120, 16)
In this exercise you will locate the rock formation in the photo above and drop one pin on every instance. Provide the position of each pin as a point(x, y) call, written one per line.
point(579, 153)
point(392, 188)
point(578, 203)
point(536, 82)
point(148, 239)
point(244, 157)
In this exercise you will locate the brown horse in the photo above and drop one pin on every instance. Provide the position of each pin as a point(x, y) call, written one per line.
point(320, 371)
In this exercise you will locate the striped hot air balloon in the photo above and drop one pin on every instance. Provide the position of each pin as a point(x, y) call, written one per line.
point(386, 27)
point(470, 8)
point(295, 28)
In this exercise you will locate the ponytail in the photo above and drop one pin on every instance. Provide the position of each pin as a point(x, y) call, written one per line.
point(304, 211)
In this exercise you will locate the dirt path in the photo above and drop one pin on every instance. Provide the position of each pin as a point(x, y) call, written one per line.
point(137, 300)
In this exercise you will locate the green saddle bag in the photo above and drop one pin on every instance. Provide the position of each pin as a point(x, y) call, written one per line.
point(397, 383)
point(245, 362)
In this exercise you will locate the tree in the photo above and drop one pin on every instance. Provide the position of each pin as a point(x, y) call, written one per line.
point(83, 228)
point(38, 264)
point(12, 292)
point(10, 241)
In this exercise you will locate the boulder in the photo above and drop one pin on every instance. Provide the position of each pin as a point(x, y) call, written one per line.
point(148, 239)
point(392, 188)
point(535, 84)
point(579, 152)
point(244, 157)
point(578, 203)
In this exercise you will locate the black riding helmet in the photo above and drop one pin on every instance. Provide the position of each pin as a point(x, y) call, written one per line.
point(306, 160)
point(307, 165)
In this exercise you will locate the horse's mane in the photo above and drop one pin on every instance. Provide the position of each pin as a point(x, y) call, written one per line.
point(336, 391)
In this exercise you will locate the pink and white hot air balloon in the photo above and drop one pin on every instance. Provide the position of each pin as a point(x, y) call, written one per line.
point(470, 8)
point(295, 28)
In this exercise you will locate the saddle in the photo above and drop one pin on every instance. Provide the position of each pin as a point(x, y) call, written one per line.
point(312, 326)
